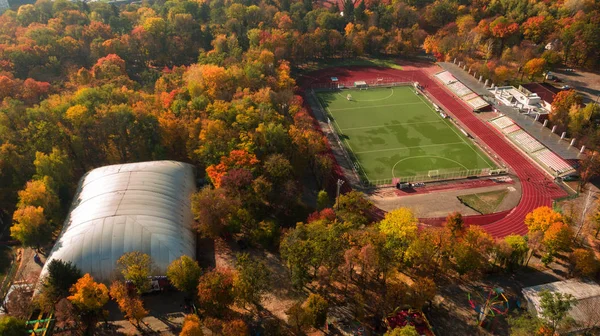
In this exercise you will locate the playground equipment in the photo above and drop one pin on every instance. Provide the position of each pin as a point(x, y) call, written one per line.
point(488, 302)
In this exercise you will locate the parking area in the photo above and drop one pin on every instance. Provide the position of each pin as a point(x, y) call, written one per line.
point(587, 83)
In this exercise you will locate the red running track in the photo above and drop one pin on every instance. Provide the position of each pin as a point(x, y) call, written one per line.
point(537, 189)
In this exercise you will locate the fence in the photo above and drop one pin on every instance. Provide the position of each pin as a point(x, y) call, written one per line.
point(441, 175)
point(383, 82)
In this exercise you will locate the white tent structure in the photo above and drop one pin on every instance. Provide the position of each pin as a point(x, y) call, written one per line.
point(129, 207)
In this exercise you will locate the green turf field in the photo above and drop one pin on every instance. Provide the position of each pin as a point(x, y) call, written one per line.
point(393, 132)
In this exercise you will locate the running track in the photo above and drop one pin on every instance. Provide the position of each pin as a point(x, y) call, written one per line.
point(537, 189)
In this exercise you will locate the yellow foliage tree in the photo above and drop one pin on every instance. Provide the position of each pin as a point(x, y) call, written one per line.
point(400, 224)
point(584, 262)
point(534, 67)
point(31, 227)
point(558, 237)
point(88, 295)
point(184, 273)
point(541, 218)
point(136, 267)
point(191, 326)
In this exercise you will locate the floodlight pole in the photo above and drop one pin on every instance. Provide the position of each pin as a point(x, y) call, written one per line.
point(584, 211)
point(340, 182)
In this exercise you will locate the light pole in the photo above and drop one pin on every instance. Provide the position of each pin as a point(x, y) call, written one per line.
point(583, 212)
point(340, 182)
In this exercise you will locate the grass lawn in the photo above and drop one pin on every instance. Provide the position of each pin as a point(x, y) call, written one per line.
point(362, 61)
point(484, 203)
point(395, 133)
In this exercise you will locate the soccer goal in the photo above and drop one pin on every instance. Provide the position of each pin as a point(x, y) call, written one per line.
point(361, 85)
point(433, 173)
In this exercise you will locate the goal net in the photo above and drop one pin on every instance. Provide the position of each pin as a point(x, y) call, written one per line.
point(433, 173)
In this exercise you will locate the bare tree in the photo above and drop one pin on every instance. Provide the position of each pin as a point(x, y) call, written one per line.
point(18, 303)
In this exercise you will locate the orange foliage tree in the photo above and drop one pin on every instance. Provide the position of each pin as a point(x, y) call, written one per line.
point(132, 307)
point(238, 159)
point(191, 326)
point(541, 218)
point(88, 295)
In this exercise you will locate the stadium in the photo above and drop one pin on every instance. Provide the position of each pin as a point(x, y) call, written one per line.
point(392, 132)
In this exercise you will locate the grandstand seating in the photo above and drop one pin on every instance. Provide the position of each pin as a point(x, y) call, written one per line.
point(459, 89)
point(552, 161)
point(477, 102)
point(510, 129)
point(503, 122)
point(526, 141)
point(446, 77)
point(470, 96)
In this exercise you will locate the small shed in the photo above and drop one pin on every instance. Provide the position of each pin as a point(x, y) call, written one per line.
point(586, 312)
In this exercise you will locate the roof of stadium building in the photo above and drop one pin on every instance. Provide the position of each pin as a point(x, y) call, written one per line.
point(129, 207)
point(544, 90)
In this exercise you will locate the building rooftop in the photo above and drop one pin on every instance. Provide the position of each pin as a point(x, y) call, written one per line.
point(587, 294)
point(544, 90)
point(129, 207)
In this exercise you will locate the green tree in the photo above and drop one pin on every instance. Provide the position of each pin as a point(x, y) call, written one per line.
point(516, 251)
point(136, 267)
point(62, 275)
point(12, 326)
point(555, 307)
point(322, 200)
point(297, 317)
point(316, 308)
point(524, 324)
point(353, 207)
point(184, 273)
point(252, 279)
point(58, 166)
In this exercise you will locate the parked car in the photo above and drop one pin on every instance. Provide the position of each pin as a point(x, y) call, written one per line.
point(565, 87)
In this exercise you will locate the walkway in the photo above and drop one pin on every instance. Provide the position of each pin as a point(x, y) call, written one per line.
point(537, 189)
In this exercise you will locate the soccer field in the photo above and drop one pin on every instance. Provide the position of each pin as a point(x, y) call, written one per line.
point(395, 133)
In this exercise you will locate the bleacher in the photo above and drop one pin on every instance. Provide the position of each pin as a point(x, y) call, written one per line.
point(526, 141)
point(548, 159)
point(552, 161)
point(470, 96)
point(459, 89)
point(512, 128)
point(446, 77)
point(502, 122)
point(477, 103)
